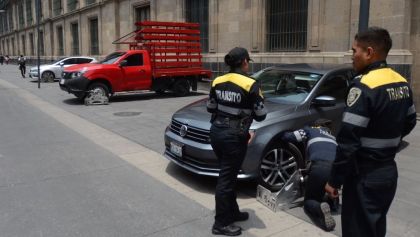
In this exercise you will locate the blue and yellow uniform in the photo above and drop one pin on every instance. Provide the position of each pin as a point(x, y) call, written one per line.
point(379, 113)
point(234, 101)
point(321, 149)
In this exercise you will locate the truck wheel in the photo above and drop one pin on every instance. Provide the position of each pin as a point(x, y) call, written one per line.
point(48, 76)
point(181, 88)
point(80, 95)
point(160, 92)
point(278, 164)
point(98, 93)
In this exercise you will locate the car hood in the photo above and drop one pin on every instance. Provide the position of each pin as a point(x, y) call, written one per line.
point(85, 67)
point(40, 67)
point(196, 115)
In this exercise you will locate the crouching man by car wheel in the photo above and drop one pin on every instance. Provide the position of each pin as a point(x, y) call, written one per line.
point(234, 101)
point(321, 150)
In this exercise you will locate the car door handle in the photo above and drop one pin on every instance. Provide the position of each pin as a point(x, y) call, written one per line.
point(142, 70)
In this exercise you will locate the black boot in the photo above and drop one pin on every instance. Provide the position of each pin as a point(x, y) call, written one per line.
point(229, 230)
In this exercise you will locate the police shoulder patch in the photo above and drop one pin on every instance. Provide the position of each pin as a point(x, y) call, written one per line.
point(353, 96)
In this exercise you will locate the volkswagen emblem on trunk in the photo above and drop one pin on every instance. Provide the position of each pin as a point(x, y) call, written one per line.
point(183, 130)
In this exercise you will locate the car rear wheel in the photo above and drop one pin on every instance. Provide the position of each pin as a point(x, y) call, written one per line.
point(48, 76)
point(278, 165)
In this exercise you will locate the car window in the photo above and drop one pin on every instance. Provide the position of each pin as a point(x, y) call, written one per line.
point(286, 86)
point(70, 61)
point(83, 60)
point(135, 60)
point(336, 86)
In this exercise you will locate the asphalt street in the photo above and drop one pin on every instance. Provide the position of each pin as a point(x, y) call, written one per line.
point(99, 170)
point(55, 182)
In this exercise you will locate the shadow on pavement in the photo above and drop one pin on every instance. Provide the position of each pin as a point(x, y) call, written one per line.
point(246, 189)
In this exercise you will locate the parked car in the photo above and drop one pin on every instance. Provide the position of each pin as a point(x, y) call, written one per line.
point(295, 95)
point(50, 72)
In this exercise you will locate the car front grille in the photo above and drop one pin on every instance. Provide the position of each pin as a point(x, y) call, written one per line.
point(192, 133)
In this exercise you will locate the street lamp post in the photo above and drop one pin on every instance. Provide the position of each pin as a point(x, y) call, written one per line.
point(364, 15)
point(38, 19)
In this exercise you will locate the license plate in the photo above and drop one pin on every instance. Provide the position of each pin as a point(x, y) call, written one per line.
point(267, 198)
point(62, 82)
point(176, 149)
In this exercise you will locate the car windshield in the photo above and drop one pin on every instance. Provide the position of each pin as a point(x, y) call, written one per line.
point(286, 86)
point(112, 58)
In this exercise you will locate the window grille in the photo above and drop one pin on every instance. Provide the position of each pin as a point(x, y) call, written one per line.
point(57, 6)
point(31, 43)
point(11, 28)
point(71, 5)
point(94, 41)
point(197, 11)
point(142, 13)
point(21, 16)
point(286, 25)
point(23, 41)
point(29, 17)
point(60, 40)
point(74, 28)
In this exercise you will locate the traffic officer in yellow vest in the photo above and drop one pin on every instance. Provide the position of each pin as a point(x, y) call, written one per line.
point(379, 113)
point(234, 101)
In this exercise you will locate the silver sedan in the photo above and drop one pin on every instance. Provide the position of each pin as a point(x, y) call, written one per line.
point(50, 72)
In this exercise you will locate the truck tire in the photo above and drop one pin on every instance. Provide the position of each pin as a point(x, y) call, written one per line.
point(98, 93)
point(278, 163)
point(181, 88)
point(48, 76)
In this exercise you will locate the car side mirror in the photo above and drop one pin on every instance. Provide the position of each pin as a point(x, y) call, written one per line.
point(324, 101)
point(123, 63)
point(61, 64)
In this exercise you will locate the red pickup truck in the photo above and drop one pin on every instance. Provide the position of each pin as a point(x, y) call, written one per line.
point(163, 56)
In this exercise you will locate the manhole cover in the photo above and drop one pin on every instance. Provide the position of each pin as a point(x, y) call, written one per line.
point(127, 114)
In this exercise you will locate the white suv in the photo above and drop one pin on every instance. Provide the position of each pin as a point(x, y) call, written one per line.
point(50, 72)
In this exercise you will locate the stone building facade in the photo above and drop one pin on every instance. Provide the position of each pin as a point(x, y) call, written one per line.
point(275, 31)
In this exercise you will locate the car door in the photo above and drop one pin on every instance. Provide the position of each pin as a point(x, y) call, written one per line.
point(135, 75)
point(335, 85)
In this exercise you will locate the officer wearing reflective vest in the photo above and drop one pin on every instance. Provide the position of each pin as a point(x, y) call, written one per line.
point(235, 100)
point(379, 113)
point(320, 151)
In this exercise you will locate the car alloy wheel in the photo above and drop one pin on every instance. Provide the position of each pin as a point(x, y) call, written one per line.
point(278, 165)
point(48, 77)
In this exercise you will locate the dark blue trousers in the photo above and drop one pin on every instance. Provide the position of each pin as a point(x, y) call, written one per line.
point(230, 145)
point(367, 198)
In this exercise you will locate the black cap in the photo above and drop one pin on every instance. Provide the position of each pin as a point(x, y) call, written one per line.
point(236, 56)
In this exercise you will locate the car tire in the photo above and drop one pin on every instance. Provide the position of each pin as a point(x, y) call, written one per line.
point(160, 92)
point(47, 76)
point(278, 164)
point(181, 87)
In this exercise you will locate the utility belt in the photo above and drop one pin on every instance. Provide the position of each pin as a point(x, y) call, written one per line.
point(232, 122)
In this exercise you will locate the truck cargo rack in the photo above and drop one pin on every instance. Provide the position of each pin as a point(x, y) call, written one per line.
point(174, 47)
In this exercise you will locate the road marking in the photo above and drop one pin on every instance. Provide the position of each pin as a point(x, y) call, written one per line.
point(153, 164)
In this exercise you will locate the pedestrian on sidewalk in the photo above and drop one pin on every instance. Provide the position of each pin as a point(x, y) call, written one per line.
point(320, 151)
point(379, 113)
point(235, 100)
point(22, 65)
point(6, 59)
point(1, 59)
